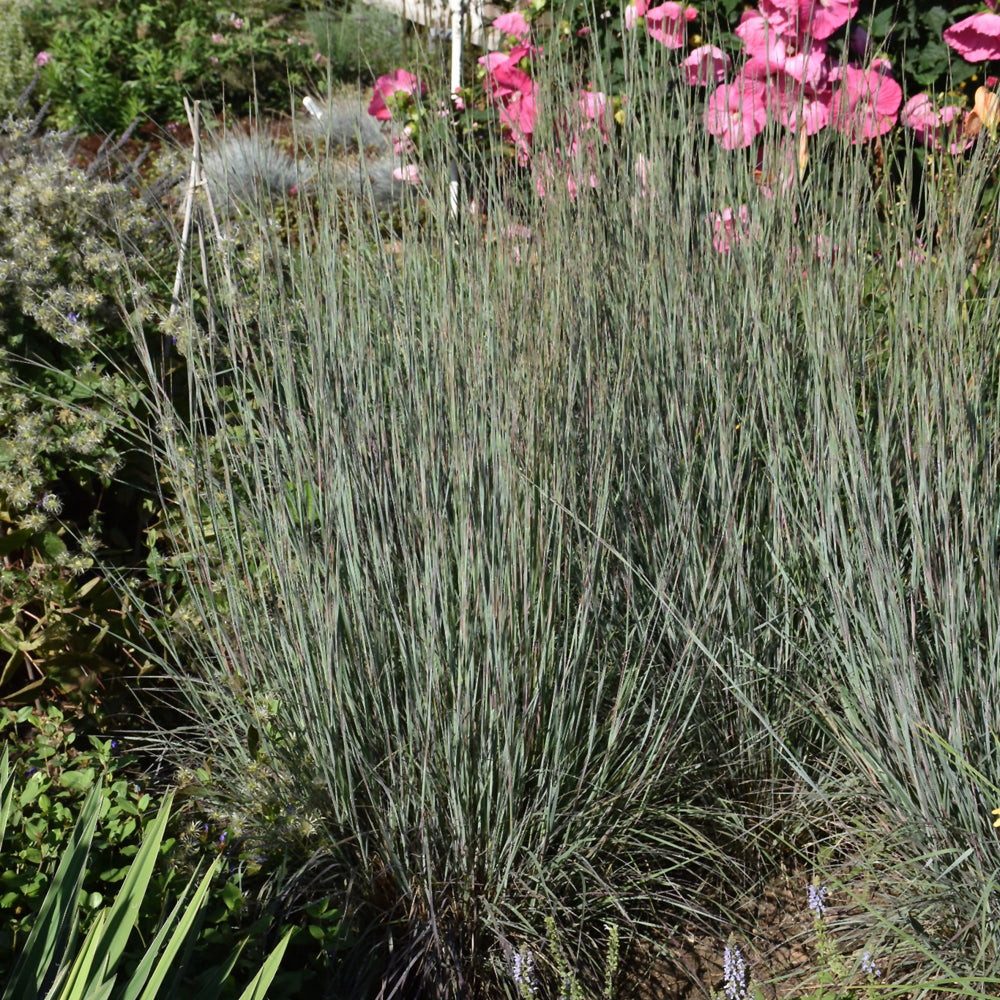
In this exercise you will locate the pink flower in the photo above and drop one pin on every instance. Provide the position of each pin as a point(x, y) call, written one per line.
point(402, 144)
point(593, 103)
point(803, 19)
point(801, 103)
point(642, 175)
point(410, 174)
point(518, 114)
point(634, 12)
point(757, 33)
point(237, 23)
point(706, 63)
point(386, 87)
point(866, 103)
point(736, 113)
point(726, 224)
point(595, 107)
point(219, 39)
point(665, 23)
point(977, 38)
point(42, 59)
point(504, 75)
point(514, 24)
point(920, 115)
point(810, 66)
point(810, 109)
point(214, 60)
point(515, 92)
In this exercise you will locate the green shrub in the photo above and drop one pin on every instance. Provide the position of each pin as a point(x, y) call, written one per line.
point(15, 55)
point(360, 43)
point(66, 405)
point(55, 768)
point(110, 61)
point(111, 962)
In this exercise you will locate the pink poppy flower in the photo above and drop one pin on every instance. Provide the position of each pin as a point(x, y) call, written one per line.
point(757, 33)
point(801, 105)
point(817, 19)
point(410, 174)
point(504, 75)
point(634, 12)
point(977, 38)
point(729, 224)
point(809, 66)
point(514, 23)
point(595, 108)
point(399, 81)
point(642, 175)
point(666, 22)
point(865, 104)
point(919, 115)
point(737, 113)
point(706, 63)
point(42, 58)
point(518, 114)
point(593, 104)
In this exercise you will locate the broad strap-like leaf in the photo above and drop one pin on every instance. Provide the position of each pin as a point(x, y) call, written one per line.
point(52, 936)
point(142, 972)
point(214, 980)
point(80, 980)
point(6, 792)
point(257, 990)
point(178, 935)
point(122, 915)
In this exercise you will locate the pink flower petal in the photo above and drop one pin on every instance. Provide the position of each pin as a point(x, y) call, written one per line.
point(737, 113)
point(666, 23)
point(865, 104)
point(513, 23)
point(977, 38)
point(398, 81)
point(705, 64)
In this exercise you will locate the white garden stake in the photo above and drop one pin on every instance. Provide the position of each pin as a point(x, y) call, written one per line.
point(458, 12)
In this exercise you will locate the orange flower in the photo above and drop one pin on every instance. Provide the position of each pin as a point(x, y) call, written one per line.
point(985, 112)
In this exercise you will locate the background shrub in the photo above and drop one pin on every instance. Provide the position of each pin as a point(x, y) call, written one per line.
point(67, 406)
point(111, 61)
point(15, 54)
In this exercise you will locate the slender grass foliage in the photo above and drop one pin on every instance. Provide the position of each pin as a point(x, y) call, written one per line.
point(566, 576)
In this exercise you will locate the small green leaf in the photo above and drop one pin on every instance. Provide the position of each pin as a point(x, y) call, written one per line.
point(79, 781)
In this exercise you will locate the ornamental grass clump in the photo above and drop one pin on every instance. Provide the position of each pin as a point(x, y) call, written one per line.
point(248, 168)
point(563, 565)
